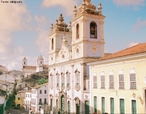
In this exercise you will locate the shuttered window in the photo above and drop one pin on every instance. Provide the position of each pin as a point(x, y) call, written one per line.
point(132, 81)
point(121, 81)
point(122, 106)
point(94, 81)
point(103, 82)
point(112, 105)
point(134, 107)
point(111, 81)
point(95, 104)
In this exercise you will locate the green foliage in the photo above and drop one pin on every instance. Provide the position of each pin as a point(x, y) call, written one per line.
point(42, 81)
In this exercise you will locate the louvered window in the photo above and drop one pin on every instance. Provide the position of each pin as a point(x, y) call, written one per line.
point(132, 81)
point(102, 81)
point(111, 81)
point(94, 81)
point(121, 81)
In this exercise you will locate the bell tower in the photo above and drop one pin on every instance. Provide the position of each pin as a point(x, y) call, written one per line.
point(57, 31)
point(24, 62)
point(87, 31)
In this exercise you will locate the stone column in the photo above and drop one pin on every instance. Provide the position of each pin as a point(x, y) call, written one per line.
point(82, 86)
point(54, 87)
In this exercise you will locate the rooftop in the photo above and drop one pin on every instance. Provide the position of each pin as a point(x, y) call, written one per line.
point(137, 49)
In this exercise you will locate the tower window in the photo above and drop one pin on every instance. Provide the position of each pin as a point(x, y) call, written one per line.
point(77, 31)
point(52, 44)
point(93, 30)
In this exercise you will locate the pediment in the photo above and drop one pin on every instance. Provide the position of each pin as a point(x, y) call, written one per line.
point(64, 52)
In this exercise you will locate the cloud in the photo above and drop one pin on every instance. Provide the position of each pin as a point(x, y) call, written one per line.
point(43, 38)
point(128, 2)
point(139, 24)
point(67, 5)
point(43, 41)
point(41, 22)
point(132, 44)
point(14, 17)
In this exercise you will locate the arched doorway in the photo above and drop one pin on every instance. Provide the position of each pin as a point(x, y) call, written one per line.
point(68, 107)
point(86, 107)
point(62, 104)
point(77, 109)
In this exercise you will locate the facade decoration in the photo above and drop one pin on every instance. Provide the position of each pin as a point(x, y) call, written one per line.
point(72, 46)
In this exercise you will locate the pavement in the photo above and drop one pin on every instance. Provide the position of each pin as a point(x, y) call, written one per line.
point(16, 111)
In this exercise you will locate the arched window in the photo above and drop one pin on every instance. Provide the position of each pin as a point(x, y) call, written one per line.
point(93, 30)
point(77, 31)
point(40, 100)
point(45, 91)
point(52, 43)
point(45, 101)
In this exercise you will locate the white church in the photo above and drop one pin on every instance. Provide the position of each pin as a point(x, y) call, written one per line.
point(71, 48)
point(40, 66)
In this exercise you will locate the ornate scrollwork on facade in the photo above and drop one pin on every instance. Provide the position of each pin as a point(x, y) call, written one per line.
point(77, 100)
point(77, 77)
point(60, 25)
point(68, 80)
point(88, 7)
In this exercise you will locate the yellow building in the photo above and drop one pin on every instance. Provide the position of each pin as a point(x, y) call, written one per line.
point(19, 99)
point(118, 82)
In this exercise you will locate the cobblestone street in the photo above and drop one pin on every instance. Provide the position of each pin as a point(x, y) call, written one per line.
point(16, 111)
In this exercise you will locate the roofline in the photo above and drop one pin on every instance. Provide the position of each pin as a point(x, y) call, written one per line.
point(110, 60)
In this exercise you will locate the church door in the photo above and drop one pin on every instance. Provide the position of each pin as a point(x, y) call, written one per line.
point(86, 107)
point(62, 104)
point(77, 109)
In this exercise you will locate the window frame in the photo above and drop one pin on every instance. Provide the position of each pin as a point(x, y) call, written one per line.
point(133, 82)
point(77, 31)
point(102, 82)
point(121, 86)
point(111, 81)
point(94, 25)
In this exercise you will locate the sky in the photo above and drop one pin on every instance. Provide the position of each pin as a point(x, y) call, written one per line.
point(24, 27)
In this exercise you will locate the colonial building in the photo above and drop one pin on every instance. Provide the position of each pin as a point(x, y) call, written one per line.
point(27, 100)
point(19, 99)
point(118, 82)
point(71, 47)
point(39, 97)
point(40, 66)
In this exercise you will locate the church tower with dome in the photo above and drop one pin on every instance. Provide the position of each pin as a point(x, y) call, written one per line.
point(72, 46)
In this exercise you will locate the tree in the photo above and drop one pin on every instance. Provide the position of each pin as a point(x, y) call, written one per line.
point(42, 81)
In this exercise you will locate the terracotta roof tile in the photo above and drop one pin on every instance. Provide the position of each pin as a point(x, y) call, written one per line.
point(29, 67)
point(140, 48)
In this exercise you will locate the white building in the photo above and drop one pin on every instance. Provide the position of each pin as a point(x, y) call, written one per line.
point(71, 47)
point(27, 100)
point(39, 97)
point(40, 66)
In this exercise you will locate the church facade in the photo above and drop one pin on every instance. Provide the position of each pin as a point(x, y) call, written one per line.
point(71, 48)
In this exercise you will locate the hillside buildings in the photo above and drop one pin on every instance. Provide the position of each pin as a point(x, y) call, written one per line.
point(71, 48)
